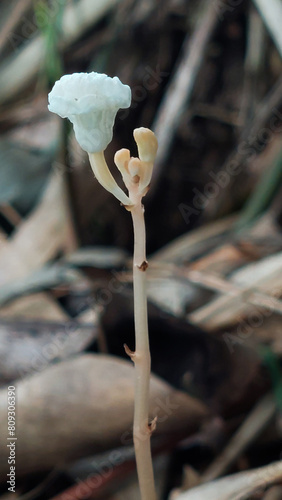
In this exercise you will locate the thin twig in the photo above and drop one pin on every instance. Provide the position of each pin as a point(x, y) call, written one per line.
point(271, 12)
point(268, 110)
point(181, 86)
point(186, 247)
point(17, 13)
point(78, 17)
point(255, 279)
point(254, 59)
point(218, 284)
point(238, 486)
point(254, 424)
point(262, 195)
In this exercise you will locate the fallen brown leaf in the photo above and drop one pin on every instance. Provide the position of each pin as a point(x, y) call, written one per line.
point(238, 486)
point(83, 406)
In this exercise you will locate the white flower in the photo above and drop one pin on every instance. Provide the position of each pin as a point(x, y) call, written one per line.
point(90, 101)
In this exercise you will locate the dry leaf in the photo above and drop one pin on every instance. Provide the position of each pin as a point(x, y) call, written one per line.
point(238, 486)
point(39, 238)
point(83, 406)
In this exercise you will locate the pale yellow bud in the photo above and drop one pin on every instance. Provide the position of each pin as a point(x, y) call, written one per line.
point(147, 144)
point(135, 167)
point(121, 160)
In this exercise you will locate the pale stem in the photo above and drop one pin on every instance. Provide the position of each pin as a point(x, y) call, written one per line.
point(142, 360)
point(141, 357)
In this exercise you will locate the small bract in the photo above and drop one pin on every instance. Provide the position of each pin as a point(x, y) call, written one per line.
point(90, 101)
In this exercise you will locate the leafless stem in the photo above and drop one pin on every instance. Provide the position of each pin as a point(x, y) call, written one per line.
point(142, 359)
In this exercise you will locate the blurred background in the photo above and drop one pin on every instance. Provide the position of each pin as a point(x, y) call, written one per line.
point(206, 78)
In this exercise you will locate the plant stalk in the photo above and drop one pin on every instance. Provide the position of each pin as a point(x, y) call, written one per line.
point(142, 359)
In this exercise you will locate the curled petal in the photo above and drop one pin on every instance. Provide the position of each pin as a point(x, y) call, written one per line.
point(90, 101)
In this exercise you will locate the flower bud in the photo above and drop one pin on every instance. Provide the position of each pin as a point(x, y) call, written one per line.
point(147, 144)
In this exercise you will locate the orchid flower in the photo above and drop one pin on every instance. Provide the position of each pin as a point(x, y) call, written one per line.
point(91, 101)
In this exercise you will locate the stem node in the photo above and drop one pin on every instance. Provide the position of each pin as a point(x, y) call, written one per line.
point(129, 352)
point(152, 425)
point(144, 266)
